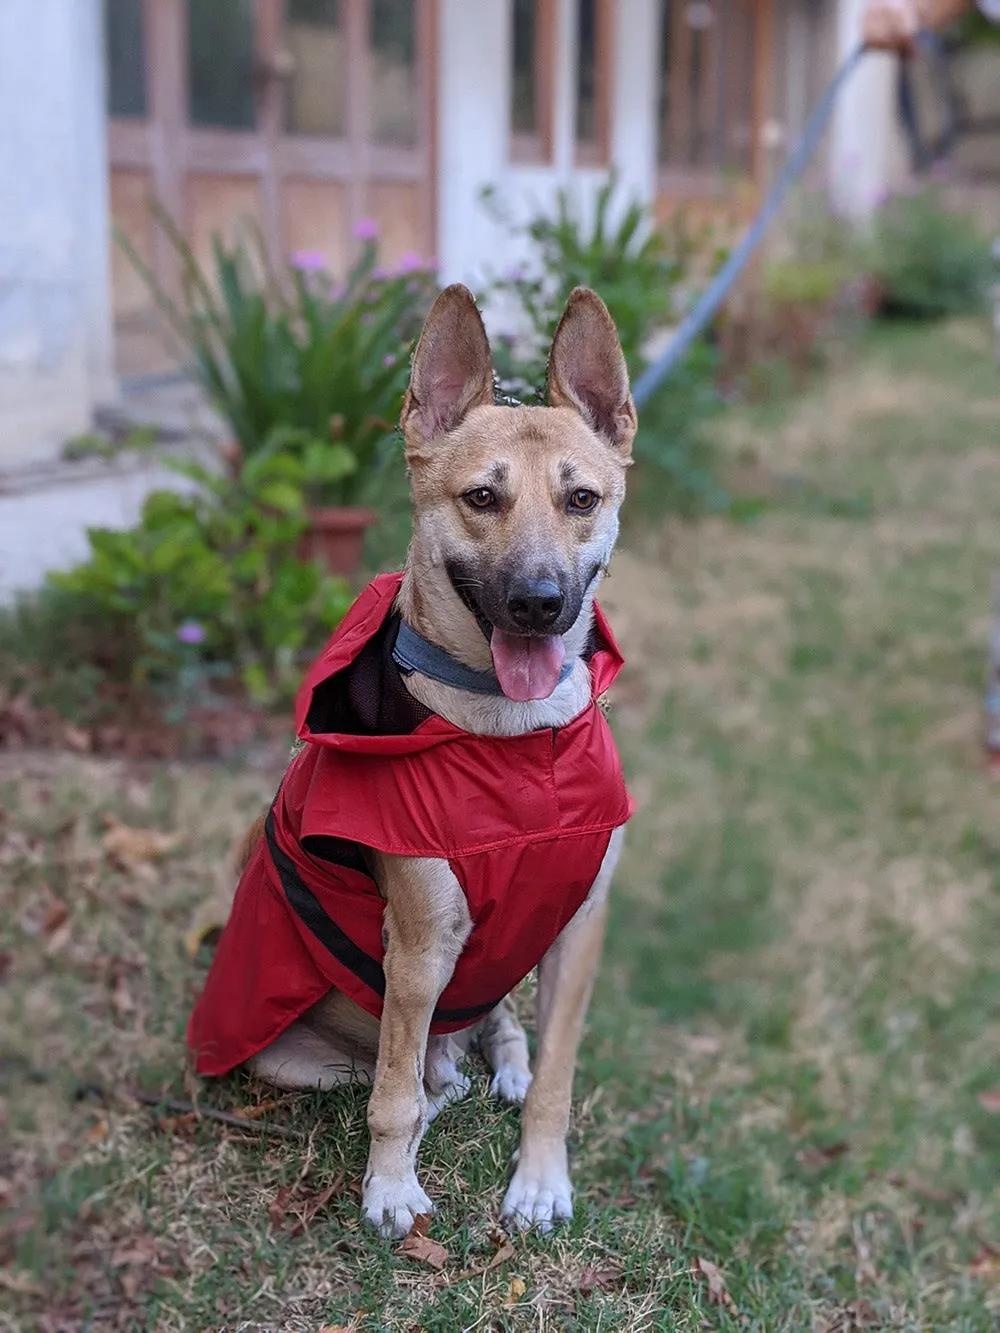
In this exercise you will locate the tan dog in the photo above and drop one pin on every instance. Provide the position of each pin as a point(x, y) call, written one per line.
point(516, 515)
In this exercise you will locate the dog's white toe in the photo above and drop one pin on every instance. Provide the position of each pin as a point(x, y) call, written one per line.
point(538, 1200)
point(392, 1205)
point(453, 1091)
point(511, 1084)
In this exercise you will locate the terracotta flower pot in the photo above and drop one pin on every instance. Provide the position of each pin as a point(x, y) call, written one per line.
point(336, 537)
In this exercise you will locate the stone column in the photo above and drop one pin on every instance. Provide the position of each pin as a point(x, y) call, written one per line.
point(55, 300)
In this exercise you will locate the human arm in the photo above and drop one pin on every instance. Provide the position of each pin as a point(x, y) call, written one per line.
point(892, 25)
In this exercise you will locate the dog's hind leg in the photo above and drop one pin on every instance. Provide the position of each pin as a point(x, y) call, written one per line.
point(304, 1058)
point(444, 1081)
point(505, 1046)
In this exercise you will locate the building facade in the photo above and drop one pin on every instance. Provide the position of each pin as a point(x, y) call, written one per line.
point(314, 118)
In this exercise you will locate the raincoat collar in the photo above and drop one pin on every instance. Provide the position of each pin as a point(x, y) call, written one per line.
point(355, 677)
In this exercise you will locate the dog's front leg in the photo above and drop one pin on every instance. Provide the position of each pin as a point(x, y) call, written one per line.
point(426, 924)
point(540, 1191)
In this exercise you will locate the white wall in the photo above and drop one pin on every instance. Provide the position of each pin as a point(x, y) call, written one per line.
point(473, 122)
point(867, 156)
point(55, 329)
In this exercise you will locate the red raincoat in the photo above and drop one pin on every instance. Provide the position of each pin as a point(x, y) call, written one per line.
point(524, 822)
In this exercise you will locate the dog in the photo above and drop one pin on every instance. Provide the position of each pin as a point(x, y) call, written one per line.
point(456, 813)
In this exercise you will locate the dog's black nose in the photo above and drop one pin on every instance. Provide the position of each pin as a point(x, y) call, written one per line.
point(534, 604)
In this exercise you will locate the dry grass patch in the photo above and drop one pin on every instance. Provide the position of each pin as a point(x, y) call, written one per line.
point(779, 1122)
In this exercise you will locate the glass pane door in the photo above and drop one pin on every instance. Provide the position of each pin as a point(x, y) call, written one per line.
point(317, 87)
point(221, 64)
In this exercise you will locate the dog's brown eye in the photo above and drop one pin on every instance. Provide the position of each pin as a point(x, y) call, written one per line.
point(481, 498)
point(582, 502)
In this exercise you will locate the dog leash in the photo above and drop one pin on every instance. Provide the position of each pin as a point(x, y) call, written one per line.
point(925, 150)
point(711, 299)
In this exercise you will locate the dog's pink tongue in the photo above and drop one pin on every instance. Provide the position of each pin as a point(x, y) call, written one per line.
point(527, 668)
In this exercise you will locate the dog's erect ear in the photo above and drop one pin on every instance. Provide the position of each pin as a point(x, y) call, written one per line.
point(587, 370)
point(452, 369)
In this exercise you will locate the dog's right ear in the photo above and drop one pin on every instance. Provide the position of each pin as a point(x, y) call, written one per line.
point(452, 370)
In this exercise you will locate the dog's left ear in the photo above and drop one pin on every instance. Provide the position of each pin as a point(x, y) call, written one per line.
point(587, 370)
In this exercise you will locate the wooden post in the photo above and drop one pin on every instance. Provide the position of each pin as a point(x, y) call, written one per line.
point(166, 64)
point(763, 88)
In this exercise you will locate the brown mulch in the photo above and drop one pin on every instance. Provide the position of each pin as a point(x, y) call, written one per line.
point(138, 727)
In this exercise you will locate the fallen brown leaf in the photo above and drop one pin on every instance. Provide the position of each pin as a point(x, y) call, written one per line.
point(718, 1293)
point(504, 1251)
point(279, 1207)
point(20, 1283)
point(255, 1112)
point(987, 1262)
point(206, 925)
point(821, 1156)
point(172, 1124)
point(704, 1045)
point(989, 1100)
point(315, 1203)
point(55, 915)
point(97, 1131)
point(921, 1187)
point(853, 1316)
point(76, 738)
point(597, 1277)
point(121, 997)
point(133, 849)
point(516, 1288)
point(58, 940)
point(302, 1203)
point(137, 1252)
point(417, 1244)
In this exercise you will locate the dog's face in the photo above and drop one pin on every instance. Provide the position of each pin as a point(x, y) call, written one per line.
point(519, 504)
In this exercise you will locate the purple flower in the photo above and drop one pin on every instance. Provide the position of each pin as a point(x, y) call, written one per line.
point(389, 360)
point(366, 229)
point(409, 262)
point(308, 261)
point(190, 631)
point(516, 273)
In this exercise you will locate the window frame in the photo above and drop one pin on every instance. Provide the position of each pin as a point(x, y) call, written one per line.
point(535, 149)
point(597, 152)
point(675, 176)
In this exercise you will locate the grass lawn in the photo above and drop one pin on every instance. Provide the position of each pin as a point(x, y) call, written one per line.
point(790, 1056)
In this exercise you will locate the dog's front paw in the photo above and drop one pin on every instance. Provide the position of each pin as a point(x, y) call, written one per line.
point(393, 1204)
point(511, 1084)
point(538, 1198)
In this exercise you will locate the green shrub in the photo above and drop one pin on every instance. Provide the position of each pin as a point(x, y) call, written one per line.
point(638, 271)
point(630, 264)
point(55, 652)
point(209, 584)
point(929, 260)
point(799, 281)
point(293, 349)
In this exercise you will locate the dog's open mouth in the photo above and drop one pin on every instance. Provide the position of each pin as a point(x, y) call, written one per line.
point(527, 668)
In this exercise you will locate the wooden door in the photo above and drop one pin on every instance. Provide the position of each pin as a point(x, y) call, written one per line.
point(715, 70)
point(311, 118)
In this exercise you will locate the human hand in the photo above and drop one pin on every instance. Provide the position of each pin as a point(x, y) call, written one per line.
point(890, 25)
